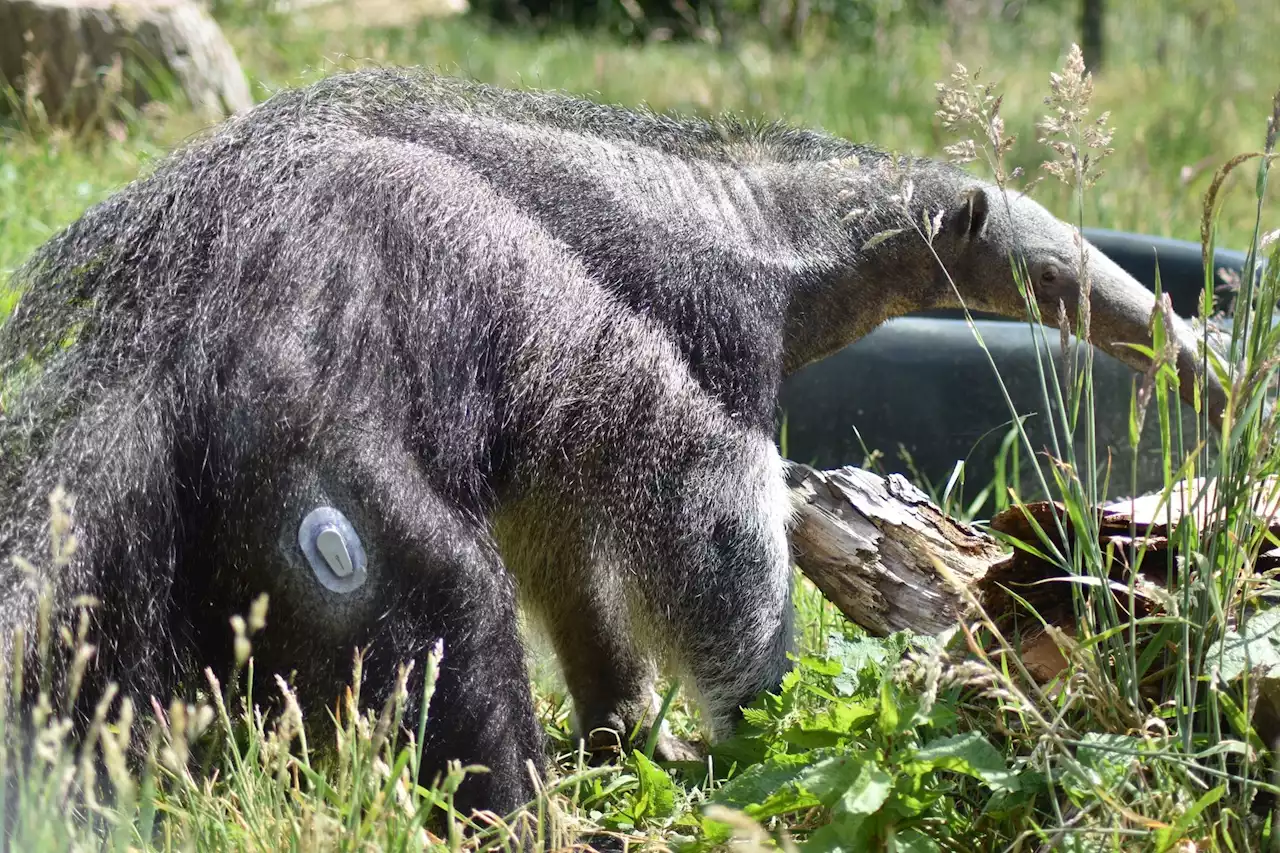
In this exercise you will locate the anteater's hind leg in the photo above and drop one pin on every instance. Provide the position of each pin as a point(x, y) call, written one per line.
point(430, 572)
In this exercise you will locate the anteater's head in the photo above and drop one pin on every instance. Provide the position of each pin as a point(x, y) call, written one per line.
point(986, 232)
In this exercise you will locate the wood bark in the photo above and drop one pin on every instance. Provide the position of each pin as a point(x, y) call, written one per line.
point(883, 553)
point(82, 60)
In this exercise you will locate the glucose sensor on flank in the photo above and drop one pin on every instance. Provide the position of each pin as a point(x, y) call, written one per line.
point(333, 550)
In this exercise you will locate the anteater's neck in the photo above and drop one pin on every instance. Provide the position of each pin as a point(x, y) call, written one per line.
point(860, 225)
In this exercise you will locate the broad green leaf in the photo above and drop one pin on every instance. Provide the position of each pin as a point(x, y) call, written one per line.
point(911, 841)
point(1264, 623)
point(822, 666)
point(857, 652)
point(813, 737)
point(769, 788)
point(714, 833)
point(790, 783)
point(839, 719)
point(657, 797)
point(833, 779)
point(1240, 653)
point(742, 751)
point(868, 791)
point(889, 716)
point(1098, 748)
point(1108, 758)
point(844, 834)
point(971, 754)
point(865, 657)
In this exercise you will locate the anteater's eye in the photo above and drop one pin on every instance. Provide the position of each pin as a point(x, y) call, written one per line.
point(1049, 274)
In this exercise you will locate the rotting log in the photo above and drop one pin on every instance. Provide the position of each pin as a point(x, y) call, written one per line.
point(873, 546)
point(889, 559)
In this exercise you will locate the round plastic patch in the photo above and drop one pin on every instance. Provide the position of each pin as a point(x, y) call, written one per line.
point(332, 549)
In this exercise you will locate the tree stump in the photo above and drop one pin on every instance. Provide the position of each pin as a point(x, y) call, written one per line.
point(82, 61)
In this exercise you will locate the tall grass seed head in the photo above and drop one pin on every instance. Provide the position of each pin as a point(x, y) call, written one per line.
point(969, 108)
point(258, 614)
point(241, 641)
point(1079, 143)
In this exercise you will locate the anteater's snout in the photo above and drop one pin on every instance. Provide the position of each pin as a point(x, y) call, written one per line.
point(1123, 311)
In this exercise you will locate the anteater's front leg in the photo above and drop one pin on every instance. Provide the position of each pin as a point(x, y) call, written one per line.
point(728, 587)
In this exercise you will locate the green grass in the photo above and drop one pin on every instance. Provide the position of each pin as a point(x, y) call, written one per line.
point(1157, 738)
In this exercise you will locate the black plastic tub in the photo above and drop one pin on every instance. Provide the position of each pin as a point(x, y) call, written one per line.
point(921, 391)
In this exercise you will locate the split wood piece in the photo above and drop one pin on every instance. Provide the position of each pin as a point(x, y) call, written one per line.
point(873, 545)
point(1140, 528)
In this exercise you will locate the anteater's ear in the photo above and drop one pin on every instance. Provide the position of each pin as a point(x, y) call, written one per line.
point(969, 217)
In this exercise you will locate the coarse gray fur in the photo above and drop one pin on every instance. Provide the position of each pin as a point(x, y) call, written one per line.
point(498, 330)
